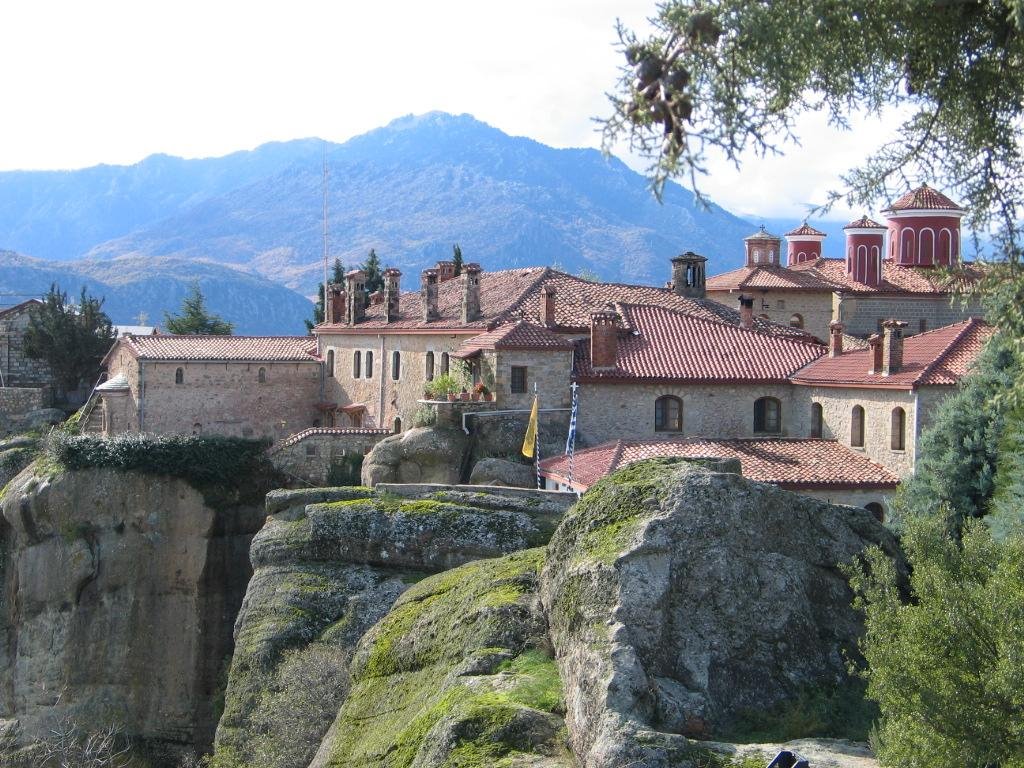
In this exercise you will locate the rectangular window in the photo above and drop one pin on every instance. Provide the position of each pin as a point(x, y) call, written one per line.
point(518, 379)
point(922, 326)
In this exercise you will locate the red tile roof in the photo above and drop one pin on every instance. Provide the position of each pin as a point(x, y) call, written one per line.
point(298, 437)
point(831, 275)
point(864, 223)
point(13, 310)
point(804, 229)
point(939, 357)
point(513, 294)
point(790, 463)
point(518, 335)
point(924, 198)
point(234, 348)
point(659, 344)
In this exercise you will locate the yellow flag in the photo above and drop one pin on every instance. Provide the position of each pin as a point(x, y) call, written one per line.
point(531, 432)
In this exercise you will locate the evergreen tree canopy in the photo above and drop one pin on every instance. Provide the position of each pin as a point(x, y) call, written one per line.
point(457, 259)
point(374, 273)
point(194, 319)
point(71, 338)
point(337, 276)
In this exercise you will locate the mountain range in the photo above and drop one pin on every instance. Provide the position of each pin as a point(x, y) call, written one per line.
point(409, 190)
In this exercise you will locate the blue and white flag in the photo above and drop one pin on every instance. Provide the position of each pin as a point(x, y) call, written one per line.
point(570, 441)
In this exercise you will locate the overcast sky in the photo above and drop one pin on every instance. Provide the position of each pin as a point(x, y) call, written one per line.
point(113, 81)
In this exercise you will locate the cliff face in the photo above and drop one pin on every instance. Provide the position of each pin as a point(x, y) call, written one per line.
point(119, 595)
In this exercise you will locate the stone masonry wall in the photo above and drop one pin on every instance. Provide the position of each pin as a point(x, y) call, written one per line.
point(813, 306)
point(313, 457)
point(861, 315)
point(18, 369)
point(550, 371)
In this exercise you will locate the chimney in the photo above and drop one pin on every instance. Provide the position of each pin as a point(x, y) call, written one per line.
point(428, 295)
point(471, 292)
point(835, 342)
point(355, 282)
point(334, 307)
point(392, 280)
point(604, 338)
point(445, 271)
point(746, 312)
point(547, 306)
point(875, 349)
point(892, 346)
point(688, 275)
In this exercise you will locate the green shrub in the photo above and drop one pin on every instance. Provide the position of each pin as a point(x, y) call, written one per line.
point(424, 416)
point(346, 470)
point(444, 385)
point(225, 470)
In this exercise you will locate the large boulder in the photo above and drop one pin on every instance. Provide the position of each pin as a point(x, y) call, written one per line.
point(503, 472)
point(419, 455)
point(680, 599)
point(329, 563)
point(42, 418)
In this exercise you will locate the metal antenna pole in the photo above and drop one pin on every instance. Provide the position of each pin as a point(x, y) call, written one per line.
point(324, 148)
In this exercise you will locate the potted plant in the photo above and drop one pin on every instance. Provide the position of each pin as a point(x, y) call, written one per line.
point(464, 395)
point(480, 391)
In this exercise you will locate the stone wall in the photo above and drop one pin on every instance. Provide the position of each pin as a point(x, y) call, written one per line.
point(814, 307)
point(223, 398)
point(314, 455)
point(17, 401)
point(19, 370)
point(550, 371)
point(852, 497)
point(626, 411)
point(862, 315)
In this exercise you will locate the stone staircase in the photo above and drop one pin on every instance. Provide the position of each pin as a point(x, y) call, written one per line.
point(92, 416)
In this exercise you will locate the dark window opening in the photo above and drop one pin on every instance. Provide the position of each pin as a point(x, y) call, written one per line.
point(518, 383)
point(357, 364)
point(179, 376)
point(429, 372)
point(767, 415)
point(668, 414)
point(817, 420)
point(899, 429)
point(369, 365)
point(396, 365)
point(857, 427)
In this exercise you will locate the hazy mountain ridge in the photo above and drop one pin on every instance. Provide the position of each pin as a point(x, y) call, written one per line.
point(409, 189)
point(154, 285)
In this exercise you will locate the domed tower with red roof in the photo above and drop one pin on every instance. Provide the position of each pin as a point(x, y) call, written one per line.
point(763, 248)
point(865, 242)
point(804, 244)
point(924, 229)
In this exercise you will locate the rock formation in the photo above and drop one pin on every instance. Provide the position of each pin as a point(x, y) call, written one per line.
point(503, 472)
point(119, 595)
point(418, 455)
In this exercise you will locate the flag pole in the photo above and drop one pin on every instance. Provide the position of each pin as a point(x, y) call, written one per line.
point(570, 443)
point(536, 437)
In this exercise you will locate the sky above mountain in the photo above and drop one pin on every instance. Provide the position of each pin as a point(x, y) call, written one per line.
point(116, 81)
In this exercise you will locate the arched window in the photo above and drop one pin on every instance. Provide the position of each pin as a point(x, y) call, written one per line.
point(197, 428)
point(817, 420)
point(262, 376)
point(357, 364)
point(877, 510)
point(330, 362)
point(398, 425)
point(767, 415)
point(444, 362)
point(857, 427)
point(369, 364)
point(796, 320)
point(757, 256)
point(179, 376)
point(899, 429)
point(430, 366)
point(668, 414)
point(396, 365)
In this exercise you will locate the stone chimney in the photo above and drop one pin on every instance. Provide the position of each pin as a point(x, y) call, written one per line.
point(892, 346)
point(428, 295)
point(547, 306)
point(470, 292)
point(445, 271)
point(355, 288)
point(688, 278)
point(334, 306)
point(875, 352)
point(746, 311)
point(835, 342)
point(604, 338)
point(392, 281)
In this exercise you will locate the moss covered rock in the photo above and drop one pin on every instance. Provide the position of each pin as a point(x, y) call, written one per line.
point(681, 599)
point(459, 673)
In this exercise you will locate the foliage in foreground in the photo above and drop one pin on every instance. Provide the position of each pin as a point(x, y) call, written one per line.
point(224, 469)
point(947, 665)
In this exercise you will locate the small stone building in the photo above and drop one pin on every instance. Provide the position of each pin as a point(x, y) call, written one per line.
point(888, 270)
point(16, 368)
point(325, 456)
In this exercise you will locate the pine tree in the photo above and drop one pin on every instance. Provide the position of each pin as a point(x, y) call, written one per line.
point(194, 318)
point(457, 259)
point(337, 276)
point(71, 338)
point(374, 274)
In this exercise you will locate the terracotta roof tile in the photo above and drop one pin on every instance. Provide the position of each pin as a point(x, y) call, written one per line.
point(762, 234)
point(790, 463)
point(924, 198)
point(518, 335)
point(941, 356)
point(298, 437)
point(666, 344)
point(241, 348)
point(865, 223)
point(804, 229)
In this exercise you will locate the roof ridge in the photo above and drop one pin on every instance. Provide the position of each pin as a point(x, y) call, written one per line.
point(517, 304)
point(968, 324)
point(805, 339)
